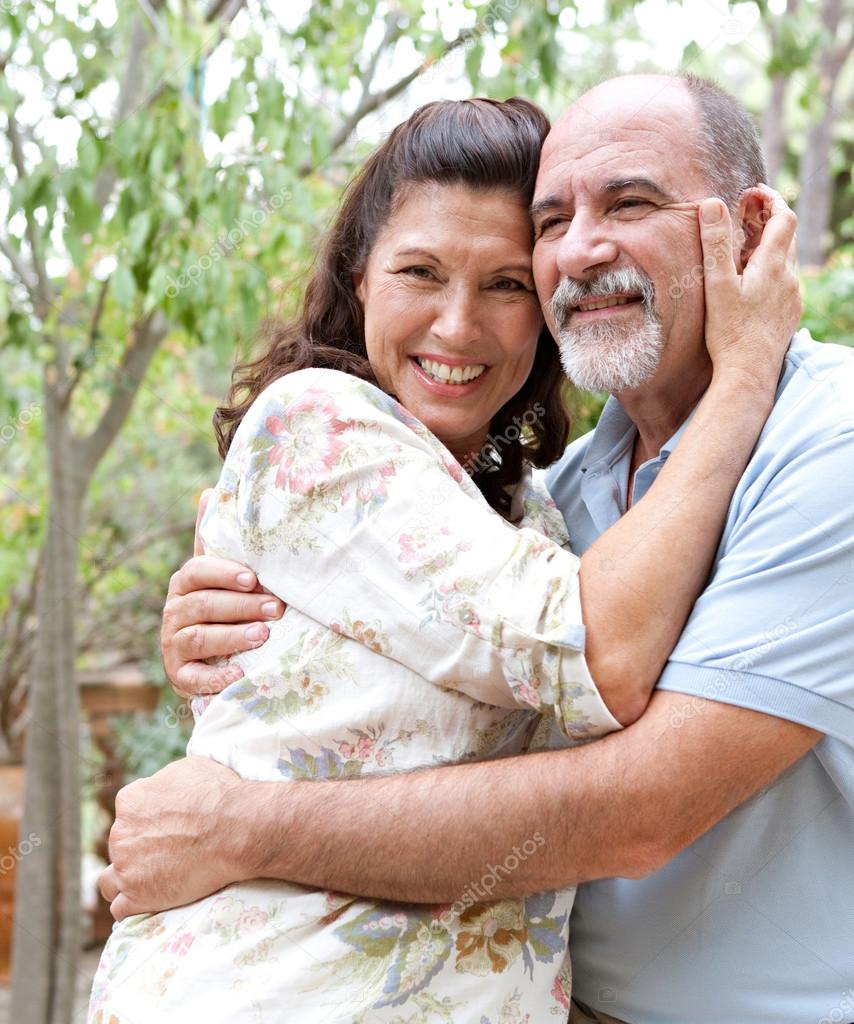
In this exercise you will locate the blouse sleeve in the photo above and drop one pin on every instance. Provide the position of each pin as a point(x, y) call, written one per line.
point(352, 512)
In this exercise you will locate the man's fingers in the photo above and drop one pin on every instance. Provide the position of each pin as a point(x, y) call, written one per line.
point(107, 884)
point(204, 498)
point(220, 606)
point(121, 907)
point(201, 641)
point(207, 572)
point(196, 679)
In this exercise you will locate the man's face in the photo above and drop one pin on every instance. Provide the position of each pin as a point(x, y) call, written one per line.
point(615, 222)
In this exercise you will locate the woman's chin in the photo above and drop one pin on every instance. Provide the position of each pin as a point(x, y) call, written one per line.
point(454, 432)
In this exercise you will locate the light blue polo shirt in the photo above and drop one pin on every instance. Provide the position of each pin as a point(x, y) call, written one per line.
point(754, 922)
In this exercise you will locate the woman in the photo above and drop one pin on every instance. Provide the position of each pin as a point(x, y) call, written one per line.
point(377, 480)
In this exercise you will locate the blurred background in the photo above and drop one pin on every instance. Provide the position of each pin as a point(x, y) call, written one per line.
point(166, 170)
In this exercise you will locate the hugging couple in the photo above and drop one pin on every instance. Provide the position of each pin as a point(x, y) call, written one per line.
point(446, 669)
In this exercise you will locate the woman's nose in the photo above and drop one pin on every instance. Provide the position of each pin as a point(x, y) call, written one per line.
point(458, 319)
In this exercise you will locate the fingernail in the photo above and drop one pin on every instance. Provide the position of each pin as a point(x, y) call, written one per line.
point(712, 211)
point(244, 579)
point(270, 609)
point(257, 631)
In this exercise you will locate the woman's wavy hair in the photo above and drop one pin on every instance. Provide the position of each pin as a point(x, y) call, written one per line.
point(480, 143)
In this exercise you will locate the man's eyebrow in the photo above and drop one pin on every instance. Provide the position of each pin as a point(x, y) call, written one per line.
point(640, 184)
point(542, 205)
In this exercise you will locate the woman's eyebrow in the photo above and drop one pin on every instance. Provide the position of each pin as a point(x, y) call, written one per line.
point(515, 268)
point(422, 253)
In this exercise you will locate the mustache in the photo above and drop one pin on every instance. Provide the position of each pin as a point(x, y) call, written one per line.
point(571, 292)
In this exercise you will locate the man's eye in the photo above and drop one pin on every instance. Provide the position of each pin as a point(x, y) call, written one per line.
point(552, 226)
point(629, 204)
point(509, 284)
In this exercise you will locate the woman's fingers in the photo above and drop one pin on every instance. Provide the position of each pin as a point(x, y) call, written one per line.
point(774, 250)
point(716, 239)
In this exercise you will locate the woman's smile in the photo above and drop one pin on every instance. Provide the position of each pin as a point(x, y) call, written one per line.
point(451, 379)
point(452, 320)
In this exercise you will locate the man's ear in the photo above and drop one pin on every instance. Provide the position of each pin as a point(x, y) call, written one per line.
point(749, 223)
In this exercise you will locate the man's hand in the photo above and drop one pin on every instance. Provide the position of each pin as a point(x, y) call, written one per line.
point(214, 608)
point(173, 840)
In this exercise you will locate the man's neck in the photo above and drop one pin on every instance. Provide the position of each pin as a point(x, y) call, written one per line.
point(660, 407)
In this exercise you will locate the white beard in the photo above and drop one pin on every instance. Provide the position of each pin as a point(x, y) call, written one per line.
point(604, 356)
point(608, 355)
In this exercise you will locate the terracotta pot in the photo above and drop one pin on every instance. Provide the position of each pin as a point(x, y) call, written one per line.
point(11, 809)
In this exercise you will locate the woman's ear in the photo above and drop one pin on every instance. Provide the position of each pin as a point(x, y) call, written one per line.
point(359, 283)
point(750, 220)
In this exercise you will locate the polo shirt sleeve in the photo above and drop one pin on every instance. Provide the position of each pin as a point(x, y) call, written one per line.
point(774, 629)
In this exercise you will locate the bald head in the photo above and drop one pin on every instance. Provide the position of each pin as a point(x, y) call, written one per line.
point(692, 114)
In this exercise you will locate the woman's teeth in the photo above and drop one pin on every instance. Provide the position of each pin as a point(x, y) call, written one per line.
point(445, 374)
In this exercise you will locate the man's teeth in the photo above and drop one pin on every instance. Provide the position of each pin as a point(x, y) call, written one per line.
point(603, 303)
point(445, 374)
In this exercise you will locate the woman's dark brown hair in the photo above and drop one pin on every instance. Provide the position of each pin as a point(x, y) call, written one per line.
point(482, 144)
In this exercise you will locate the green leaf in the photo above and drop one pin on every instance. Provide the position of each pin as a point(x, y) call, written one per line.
point(138, 232)
point(171, 203)
point(123, 286)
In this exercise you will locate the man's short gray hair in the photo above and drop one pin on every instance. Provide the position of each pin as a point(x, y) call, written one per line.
point(730, 151)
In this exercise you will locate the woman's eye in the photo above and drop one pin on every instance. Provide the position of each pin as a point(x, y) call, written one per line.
point(425, 273)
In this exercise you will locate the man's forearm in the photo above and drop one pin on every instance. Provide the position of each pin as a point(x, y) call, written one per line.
point(622, 806)
point(508, 827)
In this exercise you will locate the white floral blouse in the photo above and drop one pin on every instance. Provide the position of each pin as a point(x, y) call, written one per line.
point(421, 629)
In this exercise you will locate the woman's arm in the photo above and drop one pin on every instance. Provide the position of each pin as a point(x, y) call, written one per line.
point(354, 514)
point(640, 579)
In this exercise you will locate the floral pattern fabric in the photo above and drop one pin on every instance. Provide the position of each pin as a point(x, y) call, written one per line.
point(421, 629)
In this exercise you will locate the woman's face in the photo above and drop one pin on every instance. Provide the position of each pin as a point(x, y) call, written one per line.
point(451, 314)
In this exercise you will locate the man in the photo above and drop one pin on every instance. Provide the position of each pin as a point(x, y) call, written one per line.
point(716, 833)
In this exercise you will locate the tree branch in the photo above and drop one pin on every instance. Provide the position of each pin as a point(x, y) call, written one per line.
point(371, 101)
point(80, 366)
point(19, 267)
point(132, 84)
point(44, 294)
point(122, 557)
point(147, 336)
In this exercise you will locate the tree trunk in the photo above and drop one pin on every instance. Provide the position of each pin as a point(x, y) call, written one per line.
point(815, 185)
point(47, 901)
point(773, 129)
point(773, 122)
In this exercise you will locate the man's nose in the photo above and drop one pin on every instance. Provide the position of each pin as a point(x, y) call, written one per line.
point(585, 246)
point(458, 321)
